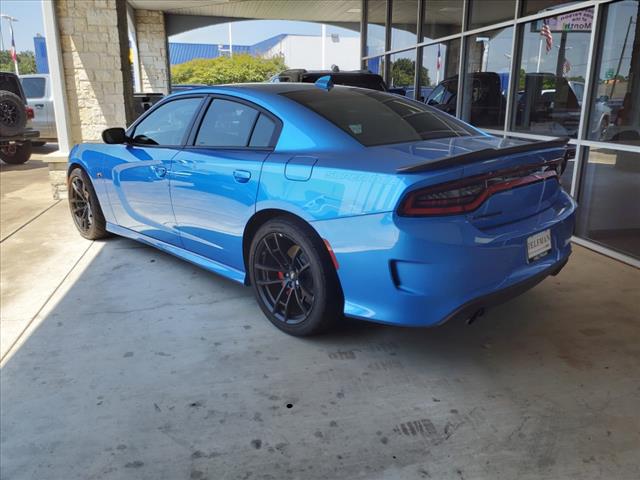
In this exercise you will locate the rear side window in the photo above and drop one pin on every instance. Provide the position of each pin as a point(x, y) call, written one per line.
point(263, 132)
point(167, 124)
point(226, 124)
point(33, 87)
point(376, 118)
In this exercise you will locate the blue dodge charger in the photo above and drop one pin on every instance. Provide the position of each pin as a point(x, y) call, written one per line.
point(331, 201)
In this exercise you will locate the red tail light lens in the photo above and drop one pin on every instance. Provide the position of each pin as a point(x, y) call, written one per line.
point(462, 196)
point(30, 113)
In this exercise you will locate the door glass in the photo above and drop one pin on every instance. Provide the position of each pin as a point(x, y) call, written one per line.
point(487, 78)
point(226, 124)
point(263, 132)
point(551, 74)
point(404, 17)
point(403, 70)
point(168, 124)
point(439, 62)
point(33, 87)
point(615, 103)
point(608, 212)
point(487, 12)
point(441, 18)
point(376, 19)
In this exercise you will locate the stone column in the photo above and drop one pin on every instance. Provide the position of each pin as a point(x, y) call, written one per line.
point(152, 51)
point(97, 72)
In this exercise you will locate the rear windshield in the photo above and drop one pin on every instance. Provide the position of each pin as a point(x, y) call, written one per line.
point(373, 82)
point(376, 118)
point(11, 84)
point(33, 87)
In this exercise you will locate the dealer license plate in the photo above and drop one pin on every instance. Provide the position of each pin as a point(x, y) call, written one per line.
point(538, 245)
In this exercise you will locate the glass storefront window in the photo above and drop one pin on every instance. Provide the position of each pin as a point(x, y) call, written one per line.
point(551, 74)
point(615, 104)
point(376, 65)
point(404, 23)
point(487, 78)
point(441, 18)
point(376, 19)
point(483, 13)
point(403, 70)
point(439, 78)
point(608, 212)
point(532, 7)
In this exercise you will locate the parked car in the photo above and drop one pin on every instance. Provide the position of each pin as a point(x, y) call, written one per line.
point(16, 133)
point(486, 93)
point(37, 89)
point(354, 78)
point(553, 105)
point(331, 200)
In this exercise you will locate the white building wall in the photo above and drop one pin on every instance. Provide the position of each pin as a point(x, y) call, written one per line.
point(302, 51)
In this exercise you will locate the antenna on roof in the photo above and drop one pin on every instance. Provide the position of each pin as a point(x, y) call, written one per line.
point(324, 82)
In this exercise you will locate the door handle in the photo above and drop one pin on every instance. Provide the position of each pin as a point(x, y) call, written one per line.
point(39, 105)
point(241, 176)
point(159, 170)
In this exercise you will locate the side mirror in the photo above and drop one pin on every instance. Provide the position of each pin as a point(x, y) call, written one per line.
point(115, 135)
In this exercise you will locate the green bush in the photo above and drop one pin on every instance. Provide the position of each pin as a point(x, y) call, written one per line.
point(238, 69)
point(26, 62)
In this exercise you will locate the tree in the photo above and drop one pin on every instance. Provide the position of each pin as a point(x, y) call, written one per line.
point(402, 72)
point(236, 69)
point(26, 62)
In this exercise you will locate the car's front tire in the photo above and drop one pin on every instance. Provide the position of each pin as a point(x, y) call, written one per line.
point(293, 278)
point(85, 207)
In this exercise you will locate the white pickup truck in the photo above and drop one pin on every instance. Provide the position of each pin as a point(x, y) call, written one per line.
point(37, 88)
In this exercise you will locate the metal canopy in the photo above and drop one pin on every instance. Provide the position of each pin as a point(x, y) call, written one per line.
point(186, 15)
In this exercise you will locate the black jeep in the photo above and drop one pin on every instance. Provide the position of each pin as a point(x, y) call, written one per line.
point(15, 136)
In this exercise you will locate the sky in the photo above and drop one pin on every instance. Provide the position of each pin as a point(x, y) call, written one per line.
point(29, 15)
point(249, 32)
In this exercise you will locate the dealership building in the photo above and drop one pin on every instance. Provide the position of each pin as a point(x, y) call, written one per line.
point(529, 69)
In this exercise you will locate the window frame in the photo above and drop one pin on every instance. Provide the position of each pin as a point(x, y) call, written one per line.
point(132, 129)
point(197, 124)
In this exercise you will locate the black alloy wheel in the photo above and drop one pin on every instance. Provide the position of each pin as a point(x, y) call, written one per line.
point(283, 278)
point(85, 208)
point(80, 202)
point(294, 280)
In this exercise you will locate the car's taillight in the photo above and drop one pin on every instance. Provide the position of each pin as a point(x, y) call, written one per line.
point(30, 113)
point(462, 196)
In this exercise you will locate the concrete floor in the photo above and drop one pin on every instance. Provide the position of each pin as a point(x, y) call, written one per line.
point(138, 365)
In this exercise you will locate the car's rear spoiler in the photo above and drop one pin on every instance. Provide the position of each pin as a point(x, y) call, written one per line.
point(484, 154)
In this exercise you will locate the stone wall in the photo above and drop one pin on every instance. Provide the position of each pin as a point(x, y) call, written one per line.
point(95, 51)
point(152, 51)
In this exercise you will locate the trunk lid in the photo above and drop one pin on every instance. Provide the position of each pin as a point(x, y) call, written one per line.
point(510, 179)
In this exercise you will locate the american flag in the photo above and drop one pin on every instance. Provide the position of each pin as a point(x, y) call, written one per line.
point(545, 31)
point(438, 58)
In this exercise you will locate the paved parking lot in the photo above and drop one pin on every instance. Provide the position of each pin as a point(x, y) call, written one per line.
point(124, 362)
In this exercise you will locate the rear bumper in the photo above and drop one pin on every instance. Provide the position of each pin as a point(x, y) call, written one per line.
point(425, 271)
point(27, 134)
point(469, 309)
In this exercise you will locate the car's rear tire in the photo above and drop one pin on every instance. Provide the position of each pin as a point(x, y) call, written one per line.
point(85, 207)
point(15, 153)
point(293, 278)
point(13, 115)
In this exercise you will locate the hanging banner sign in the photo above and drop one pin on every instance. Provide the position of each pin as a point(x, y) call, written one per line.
point(579, 21)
